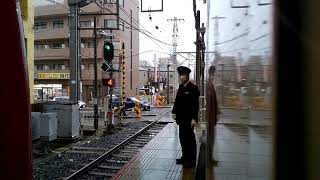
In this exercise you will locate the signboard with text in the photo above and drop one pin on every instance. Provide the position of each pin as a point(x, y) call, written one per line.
point(52, 76)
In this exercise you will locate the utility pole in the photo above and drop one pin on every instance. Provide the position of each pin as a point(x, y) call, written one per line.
point(74, 50)
point(95, 90)
point(216, 37)
point(175, 21)
point(168, 86)
point(198, 48)
point(202, 45)
point(74, 40)
point(175, 36)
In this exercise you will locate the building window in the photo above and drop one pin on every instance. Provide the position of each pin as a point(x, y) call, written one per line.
point(110, 1)
point(40, 25)
point(55, 66)
point(86, 23)
point(90, 44)
point(57, 45)
point(58, 66)
point(111, 23)
point(39, 66)
point(121, 2)
point(46, 67)
point(38, 46)
point(58, 24)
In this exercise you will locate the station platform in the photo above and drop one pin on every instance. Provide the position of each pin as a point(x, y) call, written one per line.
point(243, 152)
point(157, 160)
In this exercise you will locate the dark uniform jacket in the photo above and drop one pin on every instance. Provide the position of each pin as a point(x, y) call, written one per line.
point(186, 105)
point(212, 105)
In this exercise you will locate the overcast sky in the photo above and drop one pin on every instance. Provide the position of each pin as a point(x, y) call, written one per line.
point(182, 9)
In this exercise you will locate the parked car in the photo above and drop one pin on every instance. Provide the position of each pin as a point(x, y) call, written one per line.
point(130, 103)
point(81, 104)
point(145, 106)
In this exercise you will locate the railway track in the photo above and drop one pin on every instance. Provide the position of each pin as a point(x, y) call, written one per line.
point(109, 163)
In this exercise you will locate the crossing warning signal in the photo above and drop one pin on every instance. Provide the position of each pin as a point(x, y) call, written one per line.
point(107, 82)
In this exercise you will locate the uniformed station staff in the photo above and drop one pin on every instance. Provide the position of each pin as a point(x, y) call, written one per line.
point(185, 112)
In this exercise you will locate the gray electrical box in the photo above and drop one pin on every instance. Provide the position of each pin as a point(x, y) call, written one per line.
point(35, 117)
point(48, 126)
point(68, 117)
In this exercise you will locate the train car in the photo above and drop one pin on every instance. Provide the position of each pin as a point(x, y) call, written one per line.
point(15, 134)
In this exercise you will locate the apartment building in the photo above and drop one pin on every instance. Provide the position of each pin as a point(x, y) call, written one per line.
point(52, 53)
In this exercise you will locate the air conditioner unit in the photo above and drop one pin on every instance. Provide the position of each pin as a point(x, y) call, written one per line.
point(82, 45)
point(46, 46)
point(63, 45)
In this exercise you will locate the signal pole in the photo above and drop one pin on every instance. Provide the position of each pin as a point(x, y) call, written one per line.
point(95, 90)
point(123, 80)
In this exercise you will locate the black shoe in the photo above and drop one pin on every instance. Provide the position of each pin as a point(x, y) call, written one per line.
point(179, 161)
point(189, 165)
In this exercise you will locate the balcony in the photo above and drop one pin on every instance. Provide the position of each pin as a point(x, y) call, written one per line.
point(58, 33)
point(50, 54)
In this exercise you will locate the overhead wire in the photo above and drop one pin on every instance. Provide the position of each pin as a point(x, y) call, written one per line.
point(136, 22)
point(138, 29)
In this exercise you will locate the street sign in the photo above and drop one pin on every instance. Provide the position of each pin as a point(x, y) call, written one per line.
point(105, 66)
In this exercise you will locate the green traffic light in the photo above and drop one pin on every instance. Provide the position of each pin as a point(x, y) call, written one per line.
point(107, 47)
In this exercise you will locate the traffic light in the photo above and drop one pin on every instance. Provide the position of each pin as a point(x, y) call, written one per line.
point(110, 82)
point(108, 51)
point(107, 82)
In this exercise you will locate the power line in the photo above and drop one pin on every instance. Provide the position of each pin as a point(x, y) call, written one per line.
point(254, 50)
point(141, 31)
point(235, 38)
point(260, 37)
point(136, 22)
point(138, 29)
